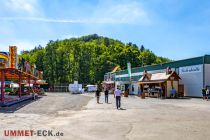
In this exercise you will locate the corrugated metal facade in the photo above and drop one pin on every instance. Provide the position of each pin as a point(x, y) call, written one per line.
point(193, 81)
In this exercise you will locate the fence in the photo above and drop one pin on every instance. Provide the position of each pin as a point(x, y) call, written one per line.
point(60, 88)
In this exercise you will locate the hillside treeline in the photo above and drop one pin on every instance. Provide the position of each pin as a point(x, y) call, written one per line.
point(86, 59)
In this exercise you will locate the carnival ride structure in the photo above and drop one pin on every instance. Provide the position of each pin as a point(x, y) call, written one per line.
point(19, 73)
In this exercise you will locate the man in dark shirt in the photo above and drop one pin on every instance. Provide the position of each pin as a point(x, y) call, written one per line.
point(97, 95)
point(106, 93)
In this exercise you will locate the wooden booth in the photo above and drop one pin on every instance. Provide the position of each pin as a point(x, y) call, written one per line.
point(110, 85)
point(154, 84)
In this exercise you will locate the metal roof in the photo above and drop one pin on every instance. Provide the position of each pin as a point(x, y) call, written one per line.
point(174, 64)
point(13, 74)
point(162, 76)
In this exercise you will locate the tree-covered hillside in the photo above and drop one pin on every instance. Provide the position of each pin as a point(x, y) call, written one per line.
point(87, 59)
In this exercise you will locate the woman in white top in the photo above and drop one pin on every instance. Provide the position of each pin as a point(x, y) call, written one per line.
point(207, 94)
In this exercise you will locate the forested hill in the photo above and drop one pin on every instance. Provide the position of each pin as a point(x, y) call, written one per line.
point(87, 58)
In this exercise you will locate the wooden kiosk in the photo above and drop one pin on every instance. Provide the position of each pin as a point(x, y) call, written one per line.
point(151, 83)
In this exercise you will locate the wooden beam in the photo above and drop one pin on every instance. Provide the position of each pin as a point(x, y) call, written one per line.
point(20, 90)
point(2, 85)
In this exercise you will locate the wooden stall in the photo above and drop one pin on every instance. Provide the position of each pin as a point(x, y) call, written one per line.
point(110, 85)
point(152, 84)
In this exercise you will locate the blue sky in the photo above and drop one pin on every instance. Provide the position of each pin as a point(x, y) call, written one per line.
point(176, 29)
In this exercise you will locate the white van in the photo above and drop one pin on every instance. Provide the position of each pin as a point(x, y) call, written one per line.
point(91, 88)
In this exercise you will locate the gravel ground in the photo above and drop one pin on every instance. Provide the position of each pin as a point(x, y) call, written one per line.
point(49, 104)
point(79, 117)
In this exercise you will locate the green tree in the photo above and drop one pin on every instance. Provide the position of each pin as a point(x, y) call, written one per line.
point(87, 59)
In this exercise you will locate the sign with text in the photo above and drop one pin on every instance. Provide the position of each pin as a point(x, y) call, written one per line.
point(190, 69)
point(12, 56)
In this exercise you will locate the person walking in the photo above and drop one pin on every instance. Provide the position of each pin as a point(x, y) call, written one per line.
point(106, 93)
point(118, 94)
point(207, 94)
point(139, 91)
point(97, 95)
point(204, 93)
point(160, 93)
point(173, 92)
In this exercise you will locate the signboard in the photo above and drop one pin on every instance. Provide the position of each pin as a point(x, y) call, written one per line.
point(12, 56)
point(190, 69)
point(8, 82)
point(129, 69)
point(4, 55)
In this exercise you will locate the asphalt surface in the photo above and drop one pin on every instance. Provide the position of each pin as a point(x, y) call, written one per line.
point(49, 104)
point(79, 117)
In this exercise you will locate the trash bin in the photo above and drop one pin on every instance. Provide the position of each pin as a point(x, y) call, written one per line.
point(143, 95)
point(125, 94)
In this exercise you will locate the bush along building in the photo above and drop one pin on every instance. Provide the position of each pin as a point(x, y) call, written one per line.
point(192, 75)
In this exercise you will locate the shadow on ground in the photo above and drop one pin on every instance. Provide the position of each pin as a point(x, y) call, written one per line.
point(180, 98)
point(13, 108)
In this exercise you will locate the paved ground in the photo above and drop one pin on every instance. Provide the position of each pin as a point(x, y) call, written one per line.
point(50, 104)
point(141, 119)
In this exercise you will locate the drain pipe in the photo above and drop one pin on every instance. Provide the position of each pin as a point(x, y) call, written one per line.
point(204, 72)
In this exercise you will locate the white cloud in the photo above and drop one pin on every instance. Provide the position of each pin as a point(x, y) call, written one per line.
point(107, 20)
point(126, 13)
point(28, 6)
point(24, 45)
point(67, 36)
point(106, 12)
point(121, 13)
point(41, 19)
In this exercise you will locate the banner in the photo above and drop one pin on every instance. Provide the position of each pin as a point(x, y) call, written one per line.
point(12, 56)
point(129, 69)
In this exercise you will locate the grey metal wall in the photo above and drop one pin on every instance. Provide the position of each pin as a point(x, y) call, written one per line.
point(207, 74)
point(192, 80)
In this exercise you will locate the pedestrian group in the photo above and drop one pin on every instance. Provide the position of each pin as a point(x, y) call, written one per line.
point(117, 94)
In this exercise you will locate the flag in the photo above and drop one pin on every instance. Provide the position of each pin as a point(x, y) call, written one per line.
point(129, 69)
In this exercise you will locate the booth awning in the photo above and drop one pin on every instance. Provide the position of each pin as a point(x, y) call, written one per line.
point(108, 82)
point(162, 76)
point(150, 82)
